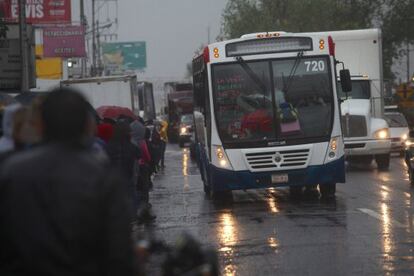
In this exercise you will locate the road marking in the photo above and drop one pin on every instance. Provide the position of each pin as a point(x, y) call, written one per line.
point(380, 217)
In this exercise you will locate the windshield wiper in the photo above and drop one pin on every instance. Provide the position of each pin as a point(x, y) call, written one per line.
point(252, 75)
point(287, 84)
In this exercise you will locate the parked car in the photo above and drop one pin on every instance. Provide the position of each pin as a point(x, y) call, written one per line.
point(186, 129)
point(398, 130)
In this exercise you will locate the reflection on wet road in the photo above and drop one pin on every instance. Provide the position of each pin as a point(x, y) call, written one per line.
point(368, 229)
point(227, 235)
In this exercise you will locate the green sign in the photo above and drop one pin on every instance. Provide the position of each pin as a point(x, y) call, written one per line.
point(124, 56)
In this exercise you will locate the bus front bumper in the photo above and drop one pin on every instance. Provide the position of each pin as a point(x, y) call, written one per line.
point(224, 180)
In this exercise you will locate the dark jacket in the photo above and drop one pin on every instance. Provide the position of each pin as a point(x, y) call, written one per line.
point(123, 156)
point(63, 213)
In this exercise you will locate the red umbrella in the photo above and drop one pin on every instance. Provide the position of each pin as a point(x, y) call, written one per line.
point(113, 112)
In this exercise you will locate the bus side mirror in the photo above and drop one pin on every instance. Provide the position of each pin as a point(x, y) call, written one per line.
point(346, 83)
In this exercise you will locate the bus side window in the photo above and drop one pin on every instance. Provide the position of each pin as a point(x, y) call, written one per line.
point(199, 93)
point(206, 107)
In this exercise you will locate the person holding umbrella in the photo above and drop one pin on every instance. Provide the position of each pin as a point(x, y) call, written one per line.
point(124, 155)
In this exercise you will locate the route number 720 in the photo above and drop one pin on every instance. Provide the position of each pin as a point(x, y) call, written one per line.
point(315, 66)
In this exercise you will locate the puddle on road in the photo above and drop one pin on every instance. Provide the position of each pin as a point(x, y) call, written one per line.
point(273, 243)
point(228, 237)
point(185, 163)
point(271, 201)
point(185, 170)
point(387, 235)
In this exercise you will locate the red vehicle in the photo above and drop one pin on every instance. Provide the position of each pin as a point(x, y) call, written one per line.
point(180, 102)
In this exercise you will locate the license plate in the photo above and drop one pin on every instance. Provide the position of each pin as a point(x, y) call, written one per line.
point(280, 178)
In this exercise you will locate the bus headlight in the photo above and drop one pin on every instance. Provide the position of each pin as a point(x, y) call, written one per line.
point(333, 148)
point(183, 131)
point(382, 133)
point(334, 144)
point(221, 157)
point(404, 137)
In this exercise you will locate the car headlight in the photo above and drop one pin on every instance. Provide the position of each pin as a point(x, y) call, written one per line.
point(408, 143)
point(382, 133)
point(404, 137)
point(183, 130)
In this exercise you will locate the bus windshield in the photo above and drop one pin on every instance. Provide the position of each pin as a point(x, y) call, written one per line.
point(284, 99)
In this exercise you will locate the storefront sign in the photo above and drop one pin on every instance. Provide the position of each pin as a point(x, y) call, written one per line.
point(66, 42)
point(38, 11)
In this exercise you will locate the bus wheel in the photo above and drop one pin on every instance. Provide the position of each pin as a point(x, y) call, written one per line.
point(410, 175)
point(311, 190)
point(327, 190)
point(295, 191)
point(206, 189)
point(206, 186)
point(383, 161)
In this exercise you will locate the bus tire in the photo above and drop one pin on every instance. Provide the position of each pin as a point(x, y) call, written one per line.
point(204, 178)
point(410, 175)
point(206, 189)
point(327, 190)
point(383, 161)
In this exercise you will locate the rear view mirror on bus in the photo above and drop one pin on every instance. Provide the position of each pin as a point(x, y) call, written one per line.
point(346, 83)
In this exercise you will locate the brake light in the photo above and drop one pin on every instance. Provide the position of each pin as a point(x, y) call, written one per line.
point(331, 45)
point(206, 55)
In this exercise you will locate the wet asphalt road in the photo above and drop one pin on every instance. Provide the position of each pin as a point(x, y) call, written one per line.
point(367, 230)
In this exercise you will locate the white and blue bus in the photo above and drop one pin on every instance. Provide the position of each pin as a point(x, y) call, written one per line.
point(267, 113)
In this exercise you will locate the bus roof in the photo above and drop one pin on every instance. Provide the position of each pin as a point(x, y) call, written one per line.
point(268, 45)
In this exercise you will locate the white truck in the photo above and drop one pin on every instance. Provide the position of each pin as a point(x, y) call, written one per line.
point(113, 91)
point(366, 133)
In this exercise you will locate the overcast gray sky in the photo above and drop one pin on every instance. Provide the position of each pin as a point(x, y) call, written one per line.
point(173, 30)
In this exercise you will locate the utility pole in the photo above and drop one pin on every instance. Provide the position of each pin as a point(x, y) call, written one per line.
point(83, 24)
point(23, 46)
point(93, 40)
point(408, 60)
point(407, 41)
point(99, 61)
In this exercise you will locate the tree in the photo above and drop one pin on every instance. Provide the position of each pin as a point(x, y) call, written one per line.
point(248, 16)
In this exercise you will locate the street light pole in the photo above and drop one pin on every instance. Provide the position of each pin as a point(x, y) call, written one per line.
point(83, 24)
point(23, 46)
point(407, 41)
point(408, 60)
point(93, 40)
